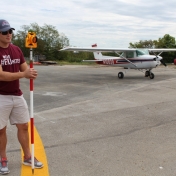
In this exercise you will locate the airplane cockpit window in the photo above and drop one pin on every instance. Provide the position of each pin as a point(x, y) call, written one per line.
point(139, 53)
point(142, 51)
point(129, 54)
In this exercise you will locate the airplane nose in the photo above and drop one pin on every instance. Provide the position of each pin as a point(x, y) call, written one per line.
point(160, 58)
point(157, 58)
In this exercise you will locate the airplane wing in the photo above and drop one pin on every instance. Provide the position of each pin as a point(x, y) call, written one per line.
point(162, 49)
point(96, 49)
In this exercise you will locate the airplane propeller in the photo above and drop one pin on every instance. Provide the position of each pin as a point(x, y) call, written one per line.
point(161, 60)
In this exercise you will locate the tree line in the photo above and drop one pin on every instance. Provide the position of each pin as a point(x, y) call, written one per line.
point(50, 41)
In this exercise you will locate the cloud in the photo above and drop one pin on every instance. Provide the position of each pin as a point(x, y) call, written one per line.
point(113, 23)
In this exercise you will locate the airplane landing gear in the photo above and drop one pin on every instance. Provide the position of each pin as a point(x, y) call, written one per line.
point(120, 75)
point(149, 74)
point(152, 75)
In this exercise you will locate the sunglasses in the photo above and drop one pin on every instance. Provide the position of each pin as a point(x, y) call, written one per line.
point(10, 31)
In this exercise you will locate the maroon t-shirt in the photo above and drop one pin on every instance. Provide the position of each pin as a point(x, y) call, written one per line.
point(10, 59)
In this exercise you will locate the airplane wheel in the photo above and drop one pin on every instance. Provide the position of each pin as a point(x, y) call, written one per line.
point(147, 73)
point(152, 75)
point(120, 75)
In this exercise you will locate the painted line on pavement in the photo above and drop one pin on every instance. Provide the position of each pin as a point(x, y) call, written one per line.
point(39, 154)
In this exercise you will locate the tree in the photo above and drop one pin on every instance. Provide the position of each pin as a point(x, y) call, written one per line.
point(49, 40)
point(142, 44)
point(166, 42)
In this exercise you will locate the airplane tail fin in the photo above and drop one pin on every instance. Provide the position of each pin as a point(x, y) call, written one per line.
point(97, 55)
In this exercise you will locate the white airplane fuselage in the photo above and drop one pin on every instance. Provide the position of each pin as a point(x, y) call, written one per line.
point(140, 62)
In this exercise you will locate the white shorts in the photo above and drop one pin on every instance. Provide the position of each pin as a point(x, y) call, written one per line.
point(14, 109)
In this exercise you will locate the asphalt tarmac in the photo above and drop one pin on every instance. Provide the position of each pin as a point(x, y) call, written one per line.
point(94, 124)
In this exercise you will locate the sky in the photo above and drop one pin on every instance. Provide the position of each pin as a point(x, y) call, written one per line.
point(111, 23)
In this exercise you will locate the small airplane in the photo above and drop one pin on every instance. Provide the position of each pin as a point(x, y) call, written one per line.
point(128, 58)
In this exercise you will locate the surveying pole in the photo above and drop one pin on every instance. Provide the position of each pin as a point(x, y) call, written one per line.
point(32, 113)
point(31, 42)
